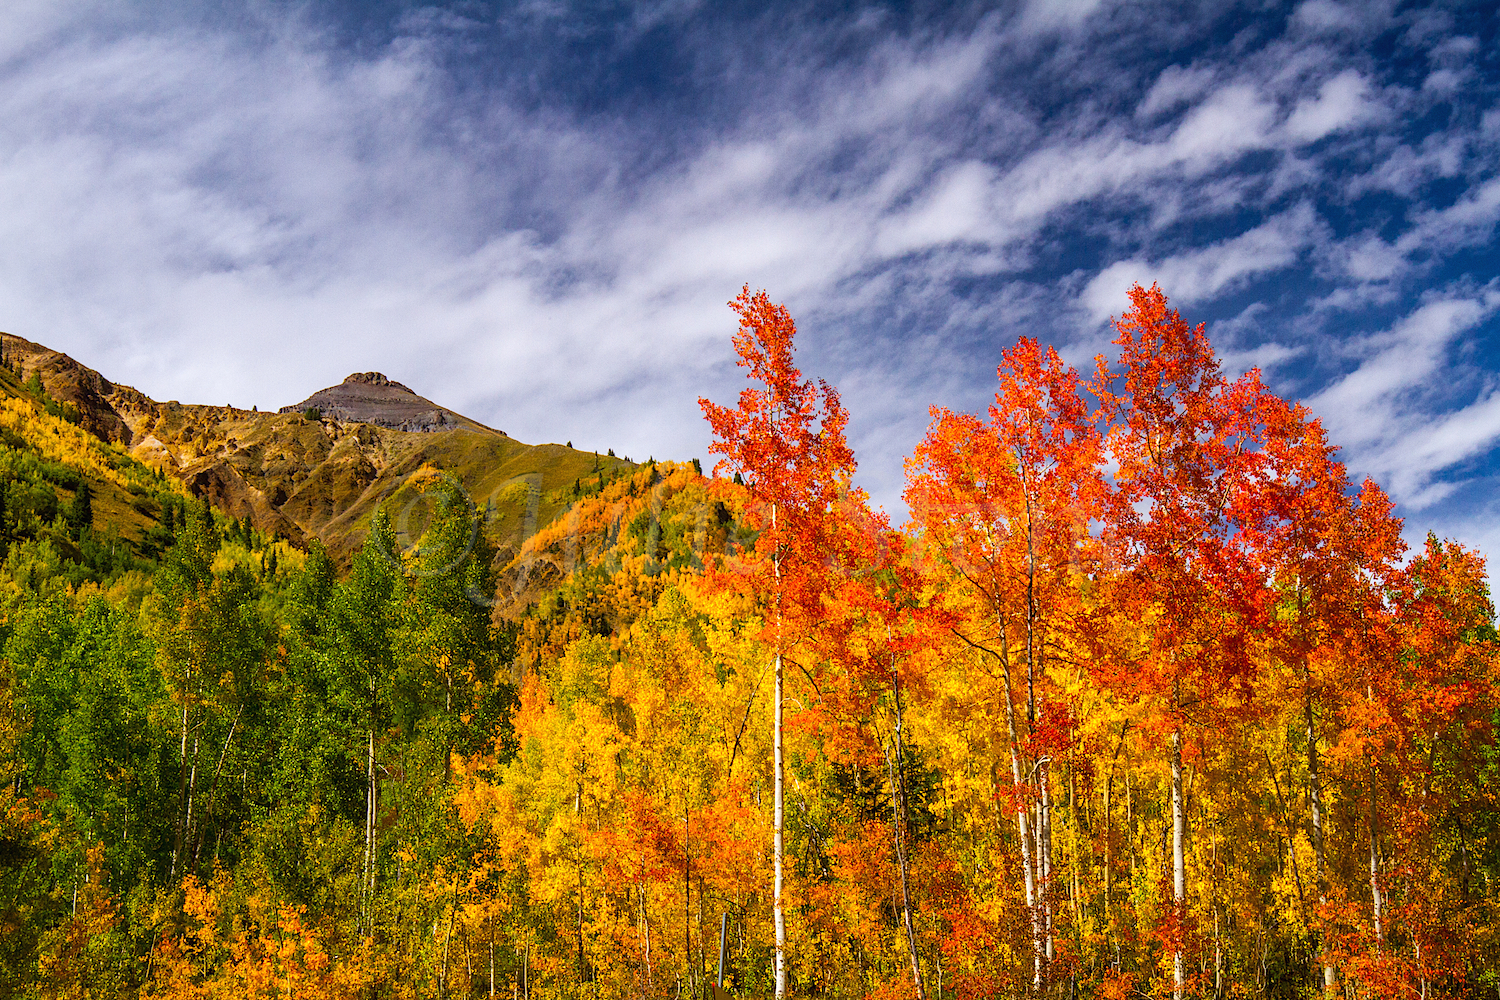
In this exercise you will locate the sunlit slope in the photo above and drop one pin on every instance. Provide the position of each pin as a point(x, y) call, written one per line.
point(323, 478)
point(305, 476)
point(46, 457)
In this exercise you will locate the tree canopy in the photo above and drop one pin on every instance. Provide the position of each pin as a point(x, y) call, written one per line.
point(1147, 698)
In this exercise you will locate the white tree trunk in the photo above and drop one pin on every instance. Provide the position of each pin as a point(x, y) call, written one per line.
point(778, 781)
point(1377, 901)
point(1179, 860)
point(778, 845)
point(367, 883)
point(1025, 834)
point(1315, 797)
point(898, 824)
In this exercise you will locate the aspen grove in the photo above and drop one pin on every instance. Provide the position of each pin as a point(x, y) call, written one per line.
point(1146, 698)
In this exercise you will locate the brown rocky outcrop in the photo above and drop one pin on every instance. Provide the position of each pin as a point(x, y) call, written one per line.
point(322, 478)
point(371, 398)
point(221, 485)
point(70, 383)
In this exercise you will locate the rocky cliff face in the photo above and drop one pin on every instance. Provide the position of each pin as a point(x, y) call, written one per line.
point(319, 478)
point(71, 383)
point(371, 398)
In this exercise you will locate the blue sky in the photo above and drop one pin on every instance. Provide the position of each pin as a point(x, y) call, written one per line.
point(535, 212)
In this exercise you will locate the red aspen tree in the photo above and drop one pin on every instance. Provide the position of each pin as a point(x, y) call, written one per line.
point(1183, 439)
point(1330, 556)
point(786, 439)
point(1003, 505)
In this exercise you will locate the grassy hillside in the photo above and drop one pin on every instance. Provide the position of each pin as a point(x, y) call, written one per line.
point(301, 477)
point(76, 508)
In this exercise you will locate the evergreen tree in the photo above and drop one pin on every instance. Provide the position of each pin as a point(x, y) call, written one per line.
point(80, 513)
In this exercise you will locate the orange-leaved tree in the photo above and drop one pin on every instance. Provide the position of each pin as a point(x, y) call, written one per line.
point(786, 439)
point(1003, 507)
point(1185, 441)
point(1428, 729)
point(1331, 557)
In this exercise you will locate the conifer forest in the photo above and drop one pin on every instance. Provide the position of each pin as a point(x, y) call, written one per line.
point(1145, 698)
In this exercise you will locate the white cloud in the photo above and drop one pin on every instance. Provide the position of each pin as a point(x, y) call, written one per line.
point(1342, 102)
point(1367, 257)
point(958, 206)
point(1467, 222)
point(1176, 86)
point(1403, 170)
point(1380, 411)
point(1457, 48)
point(1233, 119)
point(1324, 16)
point(1442, 81)
point(973, 201)
point(1052, 15)
point(1201, 274)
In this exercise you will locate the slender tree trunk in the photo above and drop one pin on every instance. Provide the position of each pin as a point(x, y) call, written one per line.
point(778, 845)
point(1044, 852)
point(1377, 901)
point(646, 920)
point(1077, 905)
point(1023, 825)
point(1179, 862)
point(367, 882)
point(1218, 957)
point(687, 897)
point(1286, 823)
point(1109, 846)
point(189, 836)
point(778, 779)
point(1043, 830)
point(1315, 799)
point(1030, 606)
point(213, 788)
point(583, 967)
point(898, 824)
point(1109, 829)
point(447, 942)
point(182, 770)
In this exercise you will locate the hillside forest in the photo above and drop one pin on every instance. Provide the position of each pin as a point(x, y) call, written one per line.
point(1146, 698)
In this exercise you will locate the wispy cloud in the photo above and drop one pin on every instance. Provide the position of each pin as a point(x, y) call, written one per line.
point(1394, 411)
point(1342, 102)
point(1274, 245)
point(544, 233)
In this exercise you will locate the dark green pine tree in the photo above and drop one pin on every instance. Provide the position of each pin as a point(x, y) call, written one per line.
point(80, 513)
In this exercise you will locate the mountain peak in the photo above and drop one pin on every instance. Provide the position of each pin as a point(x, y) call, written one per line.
point(374, 378)
point(371, 398)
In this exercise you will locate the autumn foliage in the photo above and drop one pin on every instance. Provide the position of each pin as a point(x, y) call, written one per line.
point(1147, 698)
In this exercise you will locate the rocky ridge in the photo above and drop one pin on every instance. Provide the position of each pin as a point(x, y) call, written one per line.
point(371, 398)
point(304, 478)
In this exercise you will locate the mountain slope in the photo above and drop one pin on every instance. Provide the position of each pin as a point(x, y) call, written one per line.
point(73, 507)
point(305, 475)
